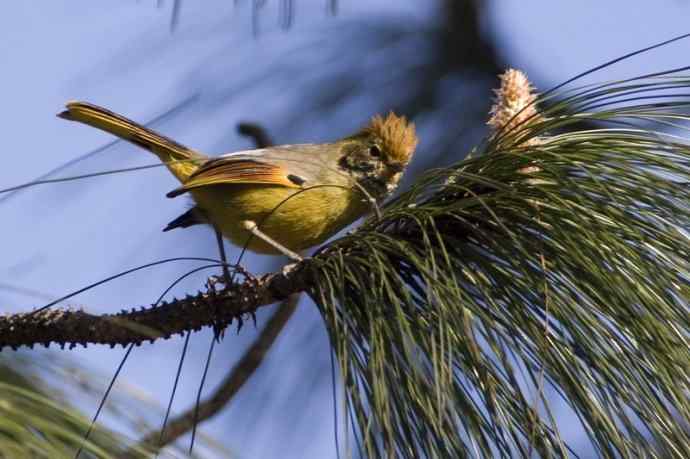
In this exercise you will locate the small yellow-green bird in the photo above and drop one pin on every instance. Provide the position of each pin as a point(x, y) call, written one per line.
point(284, 197)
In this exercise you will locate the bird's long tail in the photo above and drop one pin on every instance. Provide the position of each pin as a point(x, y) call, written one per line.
point(180, 160)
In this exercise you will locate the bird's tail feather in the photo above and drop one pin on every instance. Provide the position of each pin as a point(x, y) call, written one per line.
point(181, 160)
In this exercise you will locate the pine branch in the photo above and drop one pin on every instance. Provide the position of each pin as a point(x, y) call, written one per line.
point(75, 327)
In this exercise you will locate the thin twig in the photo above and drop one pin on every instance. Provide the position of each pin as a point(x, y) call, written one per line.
point(230, 385)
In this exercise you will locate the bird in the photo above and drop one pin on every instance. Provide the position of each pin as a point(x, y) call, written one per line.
point(281, 199)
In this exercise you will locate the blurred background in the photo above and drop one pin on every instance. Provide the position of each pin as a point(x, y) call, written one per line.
point(307, 71)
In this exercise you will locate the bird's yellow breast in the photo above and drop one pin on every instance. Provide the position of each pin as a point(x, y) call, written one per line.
point(296, 218)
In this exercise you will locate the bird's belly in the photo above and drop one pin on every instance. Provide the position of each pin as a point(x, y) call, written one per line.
point(297, 219)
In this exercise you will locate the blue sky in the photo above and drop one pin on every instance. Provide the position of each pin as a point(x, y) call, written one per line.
point(121, 54)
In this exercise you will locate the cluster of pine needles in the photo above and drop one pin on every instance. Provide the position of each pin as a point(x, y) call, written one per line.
point(552, 264)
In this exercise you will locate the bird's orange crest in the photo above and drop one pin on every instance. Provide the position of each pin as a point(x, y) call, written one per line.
point(397, 135)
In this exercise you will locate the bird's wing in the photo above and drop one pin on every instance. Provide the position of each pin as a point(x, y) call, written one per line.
point(269, 166)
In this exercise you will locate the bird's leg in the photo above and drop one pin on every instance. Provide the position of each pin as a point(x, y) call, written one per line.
point(250, 226)
point(223, 258)
point(226, 280)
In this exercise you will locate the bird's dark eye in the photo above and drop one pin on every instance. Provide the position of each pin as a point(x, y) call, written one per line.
point(375, 151)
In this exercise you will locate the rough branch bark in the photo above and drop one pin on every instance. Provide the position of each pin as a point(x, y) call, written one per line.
point(76, 327)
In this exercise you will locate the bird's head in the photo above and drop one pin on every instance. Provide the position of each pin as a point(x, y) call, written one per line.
point(378, 154)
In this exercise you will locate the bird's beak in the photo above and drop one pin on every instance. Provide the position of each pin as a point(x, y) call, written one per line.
point(396, 167)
